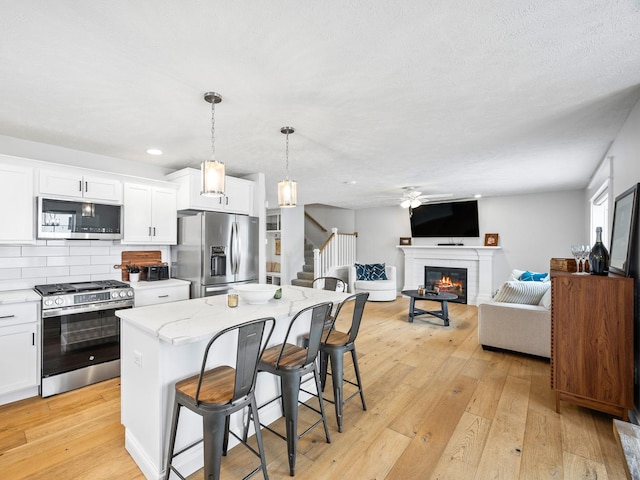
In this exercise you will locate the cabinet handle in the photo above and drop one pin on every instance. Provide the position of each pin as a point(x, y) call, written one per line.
point(154, 231)
point(163, 296)
point(7, 316)
point(86, 187)
point(149, 231)
point(226, 200)
point(33, 339)
point(79, 185)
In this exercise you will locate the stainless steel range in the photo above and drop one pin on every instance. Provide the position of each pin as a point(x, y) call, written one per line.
point(81, 333)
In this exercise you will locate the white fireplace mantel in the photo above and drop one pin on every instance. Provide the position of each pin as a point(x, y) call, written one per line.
point(476, 259)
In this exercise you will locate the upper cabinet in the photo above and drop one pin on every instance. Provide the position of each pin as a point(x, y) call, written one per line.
point(69, 183)
point(16, 196)
point(238, 196)
point(150, 214)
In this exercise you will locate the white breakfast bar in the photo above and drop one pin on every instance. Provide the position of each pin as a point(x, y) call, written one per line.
point(161, 344)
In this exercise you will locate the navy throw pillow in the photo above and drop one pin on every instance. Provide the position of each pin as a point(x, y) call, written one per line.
point(377, 272)
point(362, 272)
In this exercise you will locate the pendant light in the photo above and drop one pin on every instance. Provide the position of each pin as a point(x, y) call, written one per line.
point(212, 170)
point(287, 189)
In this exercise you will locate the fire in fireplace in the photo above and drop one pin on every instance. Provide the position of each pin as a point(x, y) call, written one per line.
point(447, 279)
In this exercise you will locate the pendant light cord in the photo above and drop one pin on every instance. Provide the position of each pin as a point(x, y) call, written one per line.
point(213, 130)
point(287, 159)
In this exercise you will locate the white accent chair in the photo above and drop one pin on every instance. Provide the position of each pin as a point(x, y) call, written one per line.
point(379, 290)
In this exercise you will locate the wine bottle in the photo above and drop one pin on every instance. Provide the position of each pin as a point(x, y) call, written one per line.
point(599, 256)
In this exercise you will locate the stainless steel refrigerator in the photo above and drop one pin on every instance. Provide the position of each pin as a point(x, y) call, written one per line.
point(215, 252)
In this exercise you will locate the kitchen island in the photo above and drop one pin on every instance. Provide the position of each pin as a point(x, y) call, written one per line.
point(161, 344)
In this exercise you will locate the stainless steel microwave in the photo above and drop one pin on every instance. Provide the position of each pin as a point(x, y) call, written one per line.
point(75, 219)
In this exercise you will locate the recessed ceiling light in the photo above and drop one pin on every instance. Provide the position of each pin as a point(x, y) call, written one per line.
point(154, 151)
point(350, 182)
point(477, 195)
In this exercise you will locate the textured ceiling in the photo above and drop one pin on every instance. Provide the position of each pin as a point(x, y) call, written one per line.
point(463, 97)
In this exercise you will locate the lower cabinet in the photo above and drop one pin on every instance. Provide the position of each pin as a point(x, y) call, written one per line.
point(592, 341)
point(18, 351)
point(162, 291)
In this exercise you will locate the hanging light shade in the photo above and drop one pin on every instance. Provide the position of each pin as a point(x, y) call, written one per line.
point(287, 189)
point(212, 170)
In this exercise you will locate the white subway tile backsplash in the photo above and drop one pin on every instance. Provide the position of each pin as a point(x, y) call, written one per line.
point(90, 269)
point(44, 251)
point(45, 271)
point(12, 262)
point(61, 261)
point(88, 250)
point(9, 273)
point(10, 251)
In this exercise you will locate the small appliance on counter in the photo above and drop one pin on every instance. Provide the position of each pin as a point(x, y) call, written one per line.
point(157, 272)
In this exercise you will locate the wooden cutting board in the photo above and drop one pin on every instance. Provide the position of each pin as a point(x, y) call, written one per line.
point(141, 258)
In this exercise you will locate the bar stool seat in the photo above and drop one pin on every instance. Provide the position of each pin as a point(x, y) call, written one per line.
point(216, 393)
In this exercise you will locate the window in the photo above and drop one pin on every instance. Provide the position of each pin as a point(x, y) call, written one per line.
point(600, 214)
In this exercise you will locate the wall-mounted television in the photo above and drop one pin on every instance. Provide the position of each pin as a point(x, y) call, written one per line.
point(449, 219)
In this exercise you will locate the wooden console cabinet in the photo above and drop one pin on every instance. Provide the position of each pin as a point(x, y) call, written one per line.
point(592, 341)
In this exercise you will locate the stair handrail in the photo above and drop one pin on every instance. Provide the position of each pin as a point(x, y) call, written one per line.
point(339, 249)
point(315, 222)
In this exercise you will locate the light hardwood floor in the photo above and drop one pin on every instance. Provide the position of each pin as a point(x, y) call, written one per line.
point(439, 407)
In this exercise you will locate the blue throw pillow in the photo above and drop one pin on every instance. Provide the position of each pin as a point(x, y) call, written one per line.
point(362, 272)
point(377, 271)
point(528, 276)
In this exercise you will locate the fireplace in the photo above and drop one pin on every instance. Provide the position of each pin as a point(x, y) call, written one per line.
point(447, 279)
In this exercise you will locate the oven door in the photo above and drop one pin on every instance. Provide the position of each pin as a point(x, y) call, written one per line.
point(78, 347)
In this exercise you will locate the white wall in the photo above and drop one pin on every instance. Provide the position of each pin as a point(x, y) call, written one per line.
point(532, 229)
point(329, 217)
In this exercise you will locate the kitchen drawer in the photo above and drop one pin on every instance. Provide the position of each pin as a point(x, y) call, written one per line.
point(17, 313)
point(161, 294)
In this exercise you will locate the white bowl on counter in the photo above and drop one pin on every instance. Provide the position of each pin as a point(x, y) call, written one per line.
point(256, 293)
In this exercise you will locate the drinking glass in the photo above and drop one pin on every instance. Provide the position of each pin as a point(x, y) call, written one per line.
point(576, 251)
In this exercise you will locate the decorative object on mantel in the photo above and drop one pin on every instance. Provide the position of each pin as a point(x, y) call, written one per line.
point(212, 170)
point(287, 189)
point(405, 240)
point(490, 239)
point(625, 219)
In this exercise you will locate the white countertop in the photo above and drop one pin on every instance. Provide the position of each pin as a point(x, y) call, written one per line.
point(192, 320)
point(18, 296)
point(170, 282)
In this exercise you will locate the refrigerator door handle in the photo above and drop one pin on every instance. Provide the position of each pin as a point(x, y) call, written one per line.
point(235, 248)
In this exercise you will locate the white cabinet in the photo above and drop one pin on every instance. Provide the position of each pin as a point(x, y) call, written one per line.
point(77, 185)
point(150, 214)
point(162, 291)
point(18, 351)
point(18, 204)
point(238, 197)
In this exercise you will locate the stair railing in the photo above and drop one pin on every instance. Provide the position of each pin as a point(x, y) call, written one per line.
point(339, 249)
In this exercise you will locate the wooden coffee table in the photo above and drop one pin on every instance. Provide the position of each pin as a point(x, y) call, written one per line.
point(443, 298)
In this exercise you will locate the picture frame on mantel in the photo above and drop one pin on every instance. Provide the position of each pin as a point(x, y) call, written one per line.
point(490, 239)
point(623, 232)
point(405, 240)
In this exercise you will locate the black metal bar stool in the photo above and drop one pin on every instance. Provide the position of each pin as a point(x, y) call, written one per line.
point(218, 392)
point(291, 362)
point(333, 347)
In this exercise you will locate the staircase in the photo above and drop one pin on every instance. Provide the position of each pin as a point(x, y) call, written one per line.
point(305, 277)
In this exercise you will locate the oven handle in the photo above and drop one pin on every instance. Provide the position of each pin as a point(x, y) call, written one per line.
point(90, 307)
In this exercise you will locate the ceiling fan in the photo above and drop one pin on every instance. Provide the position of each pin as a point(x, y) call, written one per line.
point(412, 197)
